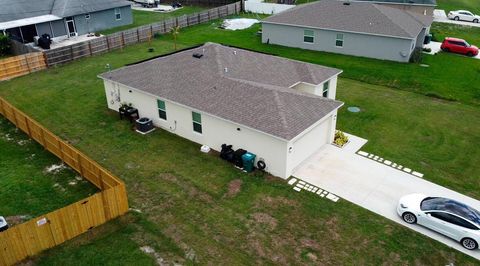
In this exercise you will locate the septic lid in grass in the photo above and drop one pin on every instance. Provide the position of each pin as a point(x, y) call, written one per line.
point(353, 109)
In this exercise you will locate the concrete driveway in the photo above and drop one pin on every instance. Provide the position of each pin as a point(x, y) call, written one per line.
point(373, 185)
point(439, 15)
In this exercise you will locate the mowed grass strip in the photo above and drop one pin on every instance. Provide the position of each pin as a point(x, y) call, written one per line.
point(32, 181)
point(468, 33)
point(214, 213)
point(141, 18)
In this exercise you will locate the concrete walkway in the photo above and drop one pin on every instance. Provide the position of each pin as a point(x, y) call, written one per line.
point(439, 15)
point(373, 185)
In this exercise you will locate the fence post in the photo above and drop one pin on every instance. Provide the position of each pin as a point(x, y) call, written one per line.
point(71, 51)
point(26, 62)
point(28, 127)
point(90, 48)
point(138, 35)
point(45, 59)
point(108, 44)
point(123, 39)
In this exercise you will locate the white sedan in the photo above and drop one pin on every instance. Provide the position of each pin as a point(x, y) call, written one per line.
point(463, 15)
point(448, 217)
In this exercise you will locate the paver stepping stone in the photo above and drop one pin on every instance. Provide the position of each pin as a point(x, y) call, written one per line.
point(417, 174)
point(315, 189)
point(292, 181)
point(387, 162)
point(319, 191)
point(363, 153)
point(408, 170)
point(297, 189)
point(301, 182)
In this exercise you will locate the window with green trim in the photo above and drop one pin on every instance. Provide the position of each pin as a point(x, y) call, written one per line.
point(308, 36)
point(162, 112)
point(197, 122)
point(339, 40)
point(326, 86)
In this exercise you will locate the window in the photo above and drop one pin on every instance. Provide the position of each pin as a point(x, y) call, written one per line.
point(453, 220)
point(197, 122)
point(118, 14)
point(87, 16)
point(308, 36)
point(162, 112)
point(339, 40)
point(326, 86)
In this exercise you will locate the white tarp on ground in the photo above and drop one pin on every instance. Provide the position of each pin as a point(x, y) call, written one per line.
point(27, 21)
point(239, 23)
point(259, 7)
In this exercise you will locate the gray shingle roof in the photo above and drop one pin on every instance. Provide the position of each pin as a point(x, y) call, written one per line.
point(19, 9)
point(361, 17)
point(408, 2)
point(252, 92)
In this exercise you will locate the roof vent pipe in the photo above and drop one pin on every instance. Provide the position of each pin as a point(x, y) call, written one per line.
point(235, 52)
point(226, 70)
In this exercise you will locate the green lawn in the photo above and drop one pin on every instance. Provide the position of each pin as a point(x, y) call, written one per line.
point(189, 216)
point(470, 34)
point(26, 187)
point(146, 17)
point(449, 5)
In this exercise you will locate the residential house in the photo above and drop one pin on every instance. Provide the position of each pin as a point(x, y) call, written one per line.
point(282, 110)
point(23, 19)
point(352, 28)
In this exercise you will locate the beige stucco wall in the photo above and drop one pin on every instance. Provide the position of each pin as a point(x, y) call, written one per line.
point(318, 89)
point(311, 141)
point(216, 131)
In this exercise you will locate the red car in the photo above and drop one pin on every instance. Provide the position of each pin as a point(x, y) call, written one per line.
point(459, 46)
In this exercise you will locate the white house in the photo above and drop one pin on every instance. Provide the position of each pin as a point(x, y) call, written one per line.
point(279, 109)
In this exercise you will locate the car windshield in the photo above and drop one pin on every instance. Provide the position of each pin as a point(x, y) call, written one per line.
point(452, 206)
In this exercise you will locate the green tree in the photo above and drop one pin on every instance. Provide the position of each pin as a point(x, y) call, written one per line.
point(175, 31)
point(4, 44)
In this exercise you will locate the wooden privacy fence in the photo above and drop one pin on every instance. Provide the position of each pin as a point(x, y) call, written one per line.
point(21, 65)
point(136, 35)
point(54, 228)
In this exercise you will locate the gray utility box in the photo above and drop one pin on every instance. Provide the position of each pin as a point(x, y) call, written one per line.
point(144, 125)
point(3, 224)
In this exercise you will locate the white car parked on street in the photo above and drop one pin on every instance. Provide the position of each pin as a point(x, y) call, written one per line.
point(448, 217)
point(463, 15)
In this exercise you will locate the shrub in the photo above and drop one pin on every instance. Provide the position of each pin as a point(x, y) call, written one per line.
point(340, 138)
point(416, 55)
point(4, 44)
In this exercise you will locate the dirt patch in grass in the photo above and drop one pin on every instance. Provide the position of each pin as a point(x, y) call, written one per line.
point(234, 188)
point(17, 219)
point(266, 219)
point(276, 202)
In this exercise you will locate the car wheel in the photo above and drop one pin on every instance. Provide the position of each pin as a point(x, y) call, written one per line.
point(475, 21)
point(470, 54)
point(456, 18)
point(469, 243)
point(409, 218)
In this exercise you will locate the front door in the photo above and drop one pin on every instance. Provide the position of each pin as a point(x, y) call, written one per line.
point(72, 31)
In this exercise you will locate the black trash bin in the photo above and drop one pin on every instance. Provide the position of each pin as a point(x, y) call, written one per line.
point(144, 125)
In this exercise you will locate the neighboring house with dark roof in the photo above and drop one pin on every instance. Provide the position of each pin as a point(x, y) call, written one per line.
point(353, 28)
point(24, 19)
point(424, 7)
point(279, 109)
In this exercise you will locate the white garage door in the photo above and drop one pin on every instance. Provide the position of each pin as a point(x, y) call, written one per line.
point(309, 143)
